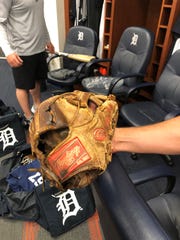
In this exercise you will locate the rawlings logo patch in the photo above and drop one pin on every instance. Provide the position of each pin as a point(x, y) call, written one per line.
point(68, 157)
point(100, 134)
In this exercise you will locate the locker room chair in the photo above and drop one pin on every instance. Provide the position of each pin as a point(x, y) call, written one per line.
point(165, 101)
point(129, 215)
point(127, 67)
point(80, 40)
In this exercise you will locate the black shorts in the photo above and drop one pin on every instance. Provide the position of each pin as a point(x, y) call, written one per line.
point(34, 69)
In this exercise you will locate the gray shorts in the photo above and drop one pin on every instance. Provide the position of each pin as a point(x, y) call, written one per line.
point(34, 69)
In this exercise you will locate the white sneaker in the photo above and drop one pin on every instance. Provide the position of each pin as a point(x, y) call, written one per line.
point(33, 109)
point(27, 121)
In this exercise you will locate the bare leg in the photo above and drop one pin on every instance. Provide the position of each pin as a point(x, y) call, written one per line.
point(36, 94)
point(23, 99)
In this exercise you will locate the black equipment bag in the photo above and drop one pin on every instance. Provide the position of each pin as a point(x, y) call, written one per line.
point(55, 211)
point(16, 205)
point(19, 205)
point(4, 109)
point(12, 132)
point(61, 211)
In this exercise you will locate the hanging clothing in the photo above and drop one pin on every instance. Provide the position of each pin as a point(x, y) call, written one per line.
point(86, 13)
point(72, 11)
point(81, 12)
point(101, 33)
point(94, 9)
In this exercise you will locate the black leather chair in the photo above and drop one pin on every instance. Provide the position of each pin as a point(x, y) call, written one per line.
point(165, 103)
point(128, 65)
point(80, 40)
point(166, 98)
point(128, 214)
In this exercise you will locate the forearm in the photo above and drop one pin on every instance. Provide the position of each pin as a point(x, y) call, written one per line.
point(4, 43)
point(162, 138)
point(5, 7)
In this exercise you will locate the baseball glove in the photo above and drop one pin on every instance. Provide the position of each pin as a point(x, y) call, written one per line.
point(71, 135)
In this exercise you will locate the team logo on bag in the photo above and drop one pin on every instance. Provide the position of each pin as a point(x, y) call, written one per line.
point(134, 39)
point(67, 204)
point(36, 179)
point(7, 137)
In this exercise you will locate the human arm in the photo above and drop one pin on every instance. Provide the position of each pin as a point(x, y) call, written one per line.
point(162, 138)
point(5, 7)
point(12, 58)
point(50, 47)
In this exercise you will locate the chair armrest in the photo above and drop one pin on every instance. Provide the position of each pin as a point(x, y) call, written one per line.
point(124, 76)
point(141, 86)
point(152, 173)
point(93, 63)
point(80, 68)
point(131, 215)
point(172, 114)
point(50, 58)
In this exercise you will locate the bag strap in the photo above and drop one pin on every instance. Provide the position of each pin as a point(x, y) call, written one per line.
point(16, 152)
point(3, 107)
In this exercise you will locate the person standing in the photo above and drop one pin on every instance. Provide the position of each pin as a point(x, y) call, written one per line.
point(24, 39)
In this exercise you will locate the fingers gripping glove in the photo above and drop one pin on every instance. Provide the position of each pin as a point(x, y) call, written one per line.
point(71, 135)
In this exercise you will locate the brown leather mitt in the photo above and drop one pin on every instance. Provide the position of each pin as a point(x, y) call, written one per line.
point(71, 135)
